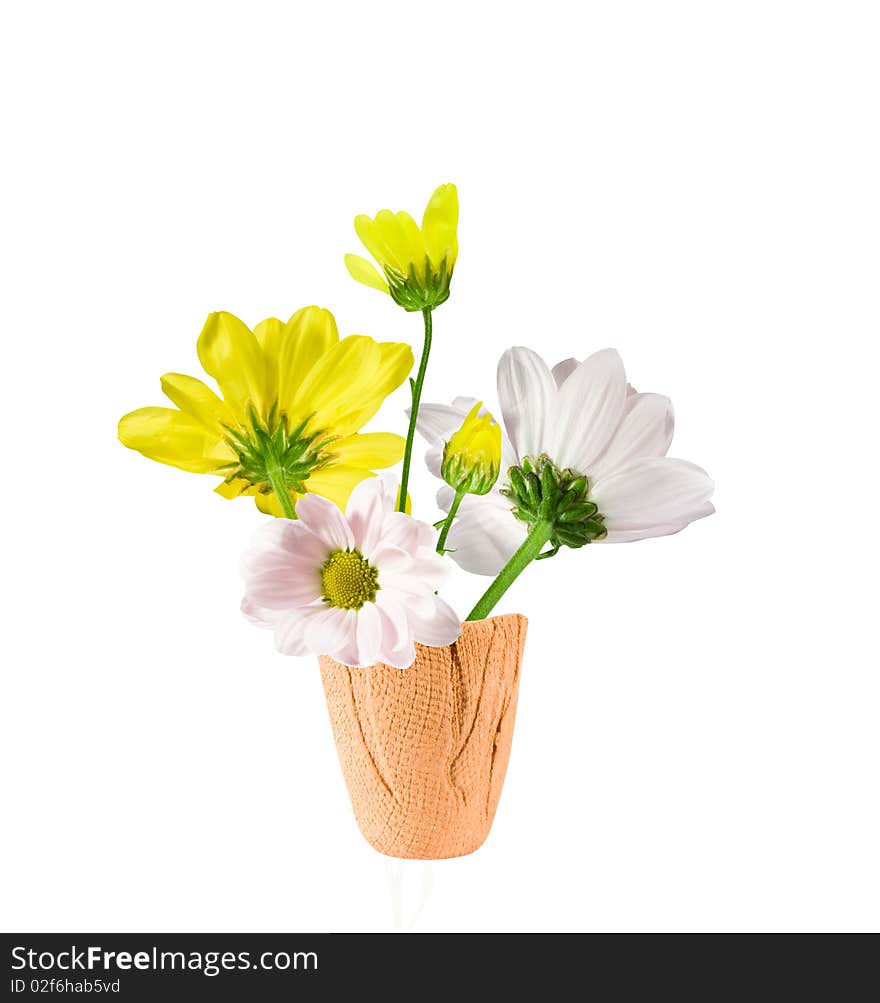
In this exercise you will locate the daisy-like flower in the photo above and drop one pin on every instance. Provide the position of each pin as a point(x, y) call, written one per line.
point(416, 262)
point(294, 400)
point(359, 587)
point(586, 462)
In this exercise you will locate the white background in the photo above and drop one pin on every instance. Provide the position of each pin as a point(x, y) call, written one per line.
point(694, 183)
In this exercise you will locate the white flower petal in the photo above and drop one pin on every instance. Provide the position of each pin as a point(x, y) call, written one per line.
point(562, 370)
point(662, 529)
point(653, 492)
point(645, 430)
point(434, 459)
point(494, 498)
point(439, 628)
point(527, 392)
point(437, 422)
point(485, 535)
point(589, 408)
point(325, 520)
point(464, 404)
point(508, 454)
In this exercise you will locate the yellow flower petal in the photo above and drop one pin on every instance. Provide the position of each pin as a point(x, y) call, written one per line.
point(197, 400)
point(269, 333)
point(364, 271)
point(308, 334)
point(234, 488)
point(371, 450)
point(372, 238)
point(400, 233)
point(412, 236)
point(337, 482)
point(269, 504)
point(395, 362)
point(339, 381)
point(439, 226)
point(231, 354)
point(175, 438)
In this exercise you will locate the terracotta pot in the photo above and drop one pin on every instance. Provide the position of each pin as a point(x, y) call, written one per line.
point(424, 750)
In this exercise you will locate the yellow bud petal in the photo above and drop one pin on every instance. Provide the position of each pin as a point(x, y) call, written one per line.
point(365, 272)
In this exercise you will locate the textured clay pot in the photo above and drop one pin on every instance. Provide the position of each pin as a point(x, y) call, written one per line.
point(424, 750)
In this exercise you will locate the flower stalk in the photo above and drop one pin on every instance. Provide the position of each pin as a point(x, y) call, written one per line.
point(416, 386)
point(530, 548)
point(282, 492)
point(447, 522)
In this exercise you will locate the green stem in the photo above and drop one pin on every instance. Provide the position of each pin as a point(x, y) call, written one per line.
point(528, 551)
point(414, 413)
point(282, 492)
point(447, 525)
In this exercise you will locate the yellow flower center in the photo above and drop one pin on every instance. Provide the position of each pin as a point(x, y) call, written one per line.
point(349, 580)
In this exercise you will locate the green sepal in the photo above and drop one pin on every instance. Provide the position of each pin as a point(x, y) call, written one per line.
point(542, 492)
point(420, 290)
point(270, 450)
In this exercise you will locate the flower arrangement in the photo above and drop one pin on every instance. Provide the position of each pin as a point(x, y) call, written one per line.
point(343, 570)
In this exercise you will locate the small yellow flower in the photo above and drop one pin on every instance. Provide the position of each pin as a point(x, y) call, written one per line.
point(472, 457)
point(294, 399)
point(417, 263)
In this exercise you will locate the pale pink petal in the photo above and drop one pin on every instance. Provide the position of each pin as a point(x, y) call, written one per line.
point(439, 628)
point(413, 593)
point(282, 537)
point(330, 630)
point(400, 530)
point(397, 648)
point(393, 560)
point(645, 430)
point(325, 520)
point(284, 589)
point(589, 408)
point(290, 629)
point(527, 392)
point(426, 536)
point(259, 616)
point(562, 370)
point(256, 563)
point(431, 567)
point(653, 492)
point(365, 513)
point(368, 635)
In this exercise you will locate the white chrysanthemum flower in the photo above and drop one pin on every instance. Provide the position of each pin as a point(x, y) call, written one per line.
point(360, 586)
point(592, 425)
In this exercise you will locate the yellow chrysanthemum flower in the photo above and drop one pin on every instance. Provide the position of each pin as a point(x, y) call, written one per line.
point(472, 457)
point(294, 400)
point(417, 263)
